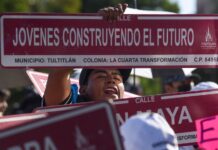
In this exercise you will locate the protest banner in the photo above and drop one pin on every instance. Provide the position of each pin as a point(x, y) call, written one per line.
point(73, 129)
point(180, 110)
point(86, 40)
point(207, 132)
point(39, 81)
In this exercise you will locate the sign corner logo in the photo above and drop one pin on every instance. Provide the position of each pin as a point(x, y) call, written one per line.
point(82, 142)
point(209, 40)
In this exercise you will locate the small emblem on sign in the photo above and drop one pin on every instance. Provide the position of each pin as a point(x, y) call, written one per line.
point(82, 143)
point(209, 41)
point(208, 37)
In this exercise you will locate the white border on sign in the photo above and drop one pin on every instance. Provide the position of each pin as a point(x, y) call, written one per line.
point(56, 109)
point(62, 108)
point(187, 137)
point(9, 60)
point(46, 17)
point(200, 93)
point(31, 74)
point(177, 18)
point(143, 60)
point(23, 118)
point(67, 115)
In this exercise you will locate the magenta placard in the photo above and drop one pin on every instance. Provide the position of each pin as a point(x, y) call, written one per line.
point(42, 40)
point(207, 132)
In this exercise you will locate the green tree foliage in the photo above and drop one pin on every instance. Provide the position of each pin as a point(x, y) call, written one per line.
point(14, 6)
point(169, 6)
point(75, 6)
point(150, 86)
point(59, 6)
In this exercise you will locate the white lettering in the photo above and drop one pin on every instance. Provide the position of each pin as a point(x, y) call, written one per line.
point(185, 115)
point(15, 41)
point(117, 37)
point(56, 37)
point(22, 41)
point(160, 111)
point(50, 36)
point(36, 36)
point(172, 115)
point(159, 36)
point(130, 37)
point(175, 37)
point(146, 36)
point(72, 37)
point(47, 144)
point(181, 113)
point(65, 39)
point(29, 35)
point(32, 145)
point(14, 148)
point(98, 37)
point(137, 37)
point(120, 120)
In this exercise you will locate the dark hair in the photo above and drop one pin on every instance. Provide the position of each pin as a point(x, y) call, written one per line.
point(84, 75)
point(173, 78)
point(4, 94)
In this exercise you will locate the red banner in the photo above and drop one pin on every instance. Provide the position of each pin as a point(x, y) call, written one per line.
point(180, 110)
point(73, 129)
point(41, 40)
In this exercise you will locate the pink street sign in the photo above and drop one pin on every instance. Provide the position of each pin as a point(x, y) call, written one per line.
point(39, 80)
point(207, 132)
point(51, 40)
point(92, 128)
point(180, 110)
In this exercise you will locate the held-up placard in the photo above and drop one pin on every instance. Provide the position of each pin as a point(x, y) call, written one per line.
point(207, 132)
point(50, 40)
point(180, 110)
point(74, 129)
point(39, 80)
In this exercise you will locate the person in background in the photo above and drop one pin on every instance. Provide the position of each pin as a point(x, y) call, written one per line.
point(148, 131)
point(180, 83)
point(176, 83)
point(30, 101)
point(206, 85)
point(4, 96)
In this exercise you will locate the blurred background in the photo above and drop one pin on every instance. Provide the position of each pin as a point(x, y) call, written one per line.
point(24, 98)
